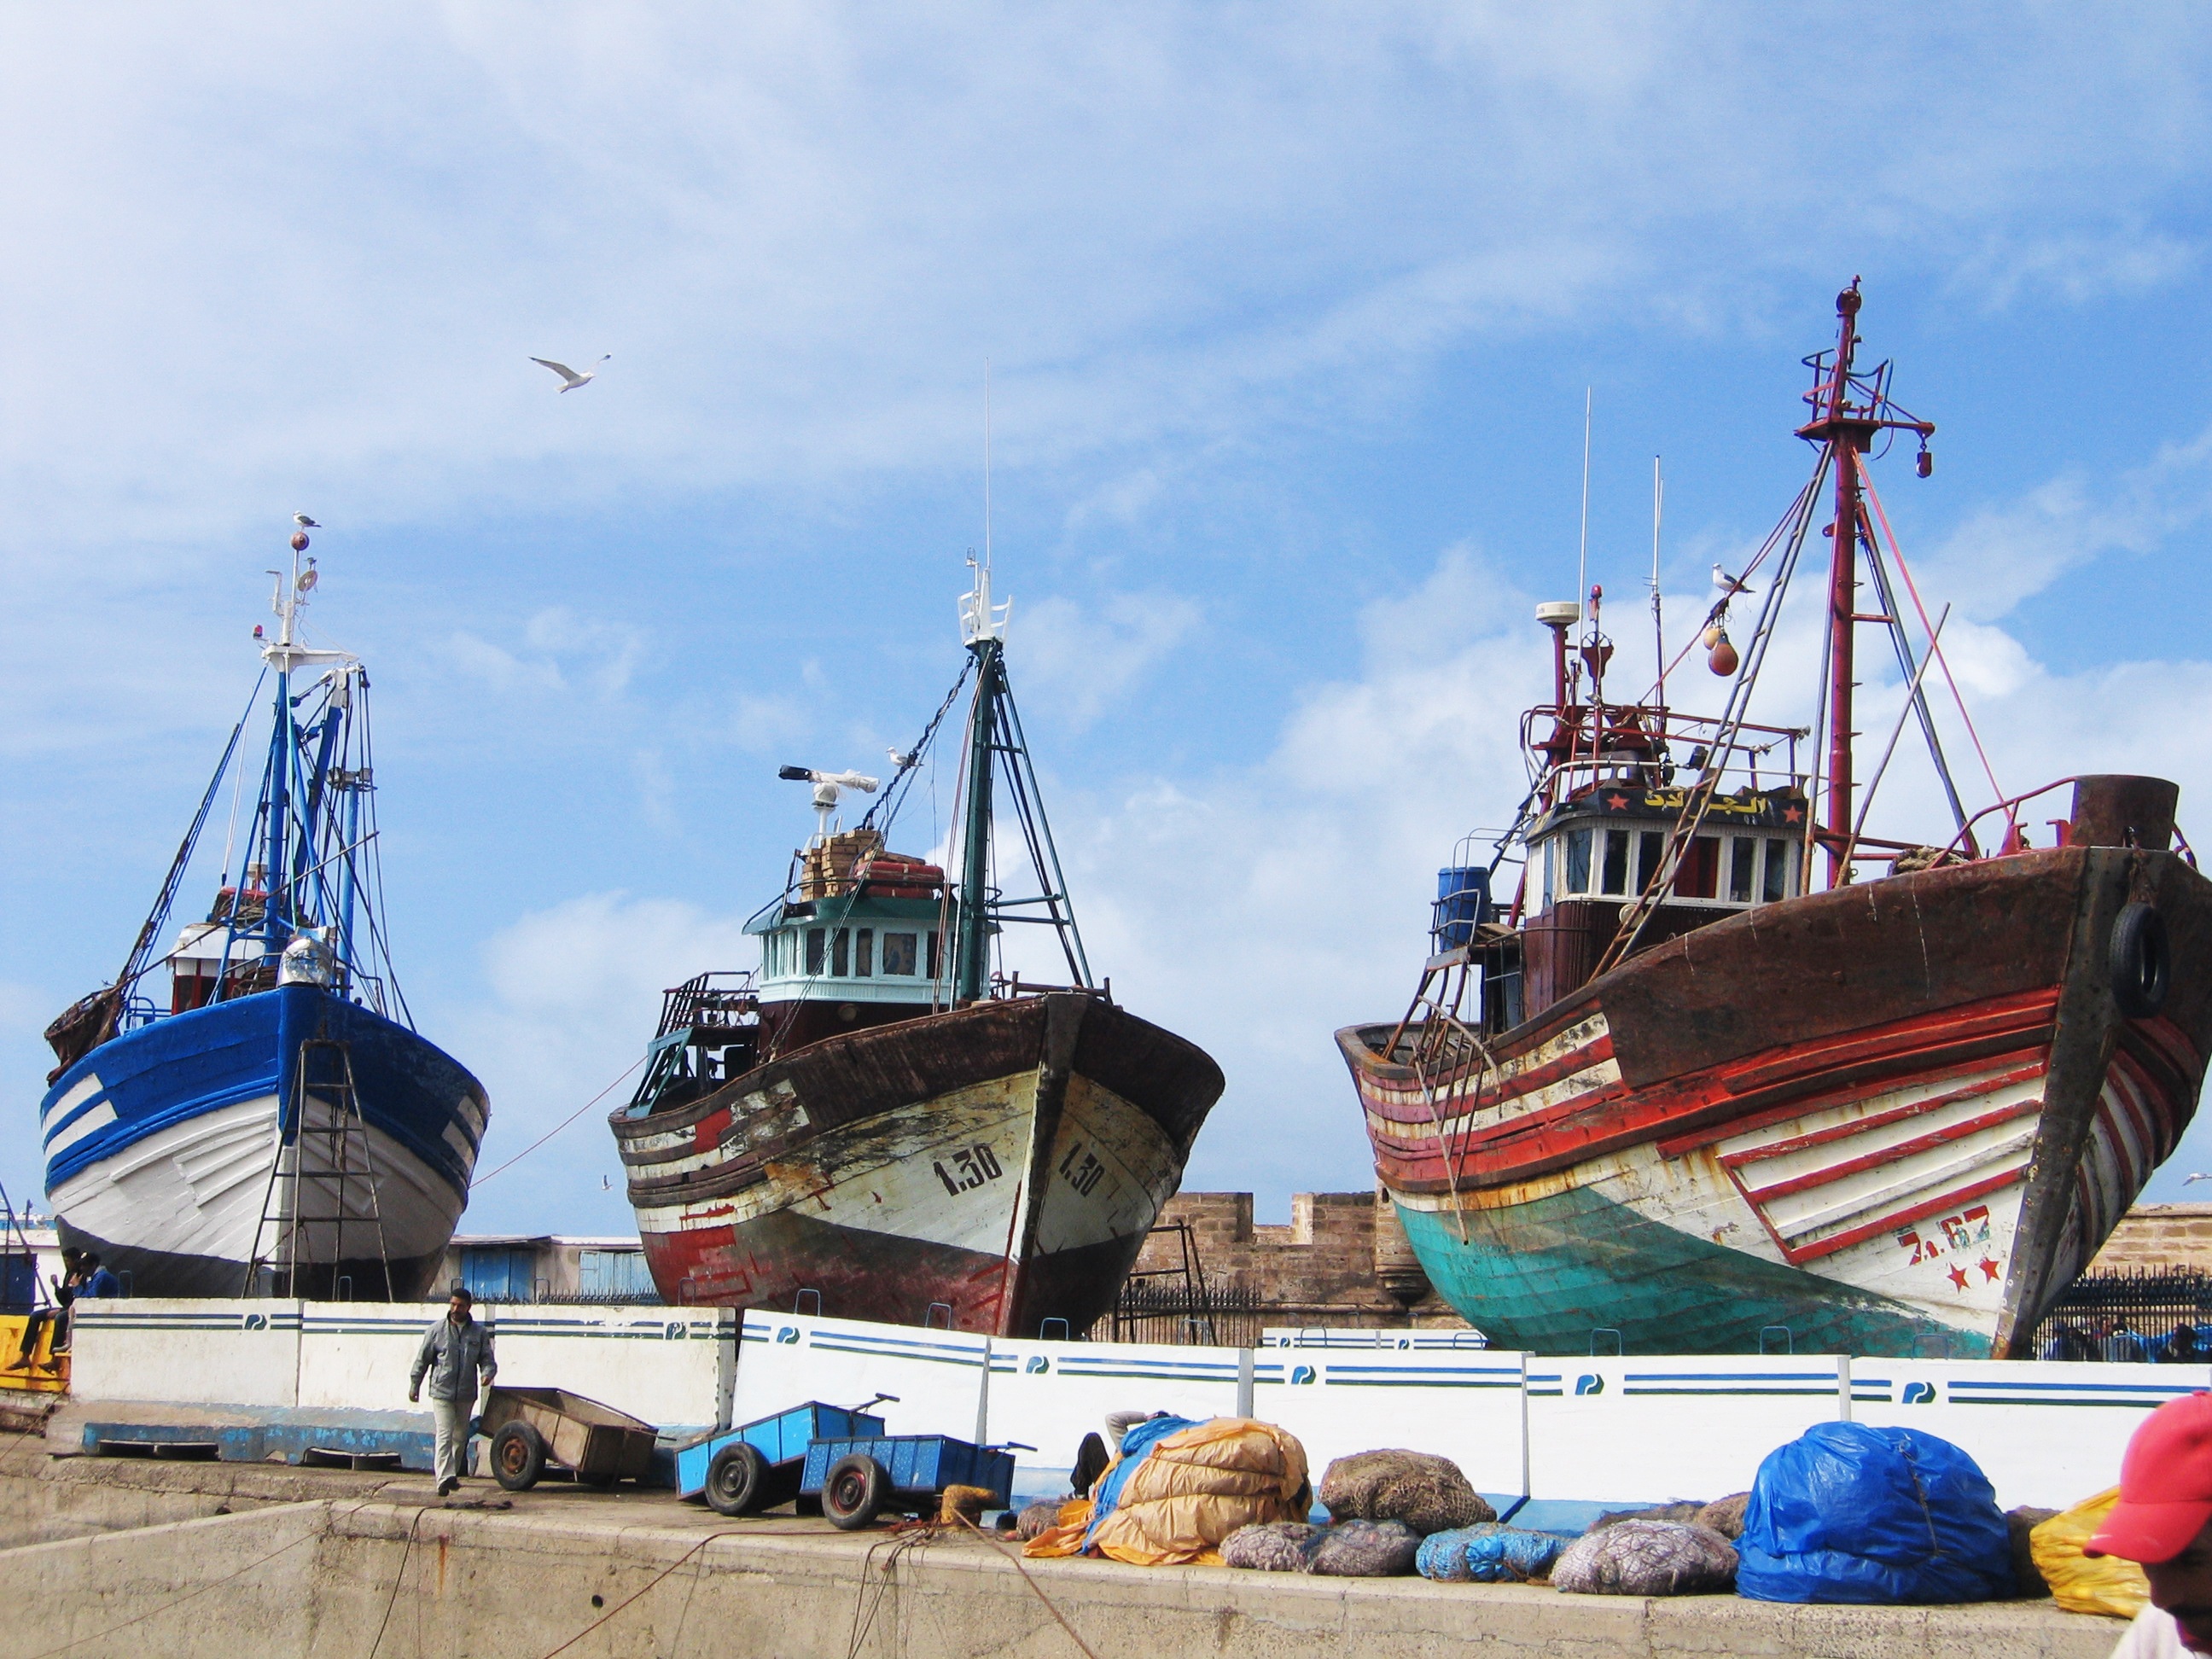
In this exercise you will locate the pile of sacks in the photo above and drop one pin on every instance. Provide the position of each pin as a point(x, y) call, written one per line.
point(1382, 1505)
point(1177, 1491)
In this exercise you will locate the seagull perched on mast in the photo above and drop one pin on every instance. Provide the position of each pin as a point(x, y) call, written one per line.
point(570, 378)
point(305, 522)
point(1730, 584)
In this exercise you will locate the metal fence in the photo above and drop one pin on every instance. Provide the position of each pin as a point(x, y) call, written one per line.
point(2134, 1314)
point(1226, 1316)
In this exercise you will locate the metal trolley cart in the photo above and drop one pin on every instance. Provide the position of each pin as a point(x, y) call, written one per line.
point(531, 1428)
point(859, 1477)
point(758, 1464)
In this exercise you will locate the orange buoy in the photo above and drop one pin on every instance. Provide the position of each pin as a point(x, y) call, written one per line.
point(1712, 636)
point(1723, 660)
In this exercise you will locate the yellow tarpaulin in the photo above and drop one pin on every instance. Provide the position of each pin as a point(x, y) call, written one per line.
point(1194, 1489)
point(2087, 1584)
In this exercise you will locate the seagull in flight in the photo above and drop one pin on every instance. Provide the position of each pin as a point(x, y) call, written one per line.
point(305, 522)
point(569, 379)
point(2197, 1178)
point(1730, 584)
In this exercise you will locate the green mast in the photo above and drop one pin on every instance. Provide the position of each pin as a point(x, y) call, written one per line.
point(983, 626)
point(971, 955)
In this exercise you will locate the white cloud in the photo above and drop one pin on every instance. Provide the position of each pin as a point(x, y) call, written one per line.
point(1087, 657)
point(574, 996)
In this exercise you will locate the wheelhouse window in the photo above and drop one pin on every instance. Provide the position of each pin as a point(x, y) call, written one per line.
point(1651, 853)
point(899, 953)
point(864, 953)
point(1578, 862)
point(1612, 877)
point(839, 957)
point(1775, 886)
point(1743, 869)
point(818, 939)
point(1700, 874)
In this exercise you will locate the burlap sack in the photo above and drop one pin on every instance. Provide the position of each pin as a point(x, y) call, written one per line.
point(1647, 1557)
point(1425, 1492)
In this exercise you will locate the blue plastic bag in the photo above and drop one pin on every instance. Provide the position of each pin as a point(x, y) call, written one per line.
point(1487, 1553)
point(1847, 1512)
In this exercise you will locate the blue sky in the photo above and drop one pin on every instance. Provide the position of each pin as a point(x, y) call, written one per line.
point(1290, 311)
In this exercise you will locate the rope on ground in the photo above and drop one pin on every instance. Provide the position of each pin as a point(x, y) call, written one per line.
point(397, 1579)
point(479, 1180)
point(735, 1532)
point(905, 1539)
point(1036, 1589)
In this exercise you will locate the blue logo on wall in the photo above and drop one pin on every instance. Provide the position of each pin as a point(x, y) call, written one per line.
point(1590, 1383)
point(1919, 1393)
point(673, 1330)
point(1038, 1363)
point(1302, 1374)
point(786, 1333)
point(257, 1321)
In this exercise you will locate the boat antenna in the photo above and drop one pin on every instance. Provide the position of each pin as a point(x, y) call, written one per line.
point(986, 463)
point(1581, 560)
point(1658, 628)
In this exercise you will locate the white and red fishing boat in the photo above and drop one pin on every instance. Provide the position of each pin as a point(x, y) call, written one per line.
point(1724, 1071)
point(875, 1124)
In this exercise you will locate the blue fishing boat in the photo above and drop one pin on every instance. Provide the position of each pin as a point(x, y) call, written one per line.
point(278, 1127)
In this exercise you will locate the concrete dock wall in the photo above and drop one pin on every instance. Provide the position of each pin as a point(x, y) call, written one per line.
point(1615, 1430)
point(603, 1577)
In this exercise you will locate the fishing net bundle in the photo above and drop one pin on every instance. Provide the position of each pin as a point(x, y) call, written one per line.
point(1646, 1557)
point(1487, 1553)
point(1725, 1515)
point(1427, 1492)
point(1348, 1549)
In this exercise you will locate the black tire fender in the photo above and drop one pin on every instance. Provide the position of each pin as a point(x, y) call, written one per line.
point(518, 1456)
point(2142, 961)
point(855, 1491)
point(735, 1479)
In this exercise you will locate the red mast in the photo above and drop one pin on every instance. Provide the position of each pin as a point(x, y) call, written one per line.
point(1847, 428)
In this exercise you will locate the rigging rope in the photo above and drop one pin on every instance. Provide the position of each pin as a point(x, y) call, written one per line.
point(1942, 661)
point(480, 1180)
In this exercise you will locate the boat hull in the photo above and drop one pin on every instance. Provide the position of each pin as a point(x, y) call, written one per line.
point(161, 1144)
point(1899, 1117)
point(993, 1168)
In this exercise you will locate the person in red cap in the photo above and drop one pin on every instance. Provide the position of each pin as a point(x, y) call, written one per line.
point(2164, 1520)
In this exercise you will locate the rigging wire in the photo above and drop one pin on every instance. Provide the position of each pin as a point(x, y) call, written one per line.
point(620, 1078)
point(1943, 660)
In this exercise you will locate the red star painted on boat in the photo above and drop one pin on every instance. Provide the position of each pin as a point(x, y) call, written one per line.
point(1989, 1269)
point(1791, 815)
point(1616, 803)
point(1958, 1277)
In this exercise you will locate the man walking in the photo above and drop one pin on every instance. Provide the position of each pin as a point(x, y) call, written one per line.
point(455, 1352)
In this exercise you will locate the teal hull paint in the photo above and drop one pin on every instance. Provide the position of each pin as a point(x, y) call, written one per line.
point(1544, 1274)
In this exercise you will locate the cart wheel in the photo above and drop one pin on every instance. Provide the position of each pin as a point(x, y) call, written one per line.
point(518, 1456)
point(735, 1479)
point(856, 1489)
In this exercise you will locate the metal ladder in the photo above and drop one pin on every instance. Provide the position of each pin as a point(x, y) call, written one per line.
point(318, 1168)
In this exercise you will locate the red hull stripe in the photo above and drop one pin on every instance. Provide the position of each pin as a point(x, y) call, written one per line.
point(1859, 1125)
point(1873, 1160)
point(1799, 1254)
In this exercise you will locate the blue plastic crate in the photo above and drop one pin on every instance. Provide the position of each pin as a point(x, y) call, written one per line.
point(782, 1438)
point(918, 1464)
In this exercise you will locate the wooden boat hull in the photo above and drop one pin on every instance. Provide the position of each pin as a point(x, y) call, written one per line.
point(1899, 1116)
point(997, 1166)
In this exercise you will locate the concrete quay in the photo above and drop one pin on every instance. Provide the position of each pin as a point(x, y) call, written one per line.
point(126, 1558)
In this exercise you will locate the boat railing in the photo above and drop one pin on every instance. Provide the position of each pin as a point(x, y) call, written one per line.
point(1007, 988)
point(722, 997)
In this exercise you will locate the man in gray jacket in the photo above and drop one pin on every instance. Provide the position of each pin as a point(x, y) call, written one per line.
point(455, 1351)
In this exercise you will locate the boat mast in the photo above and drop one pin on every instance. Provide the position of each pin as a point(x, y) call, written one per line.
point(984, 633)
point(1846, 428)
